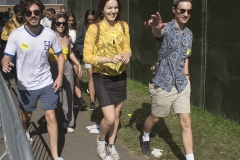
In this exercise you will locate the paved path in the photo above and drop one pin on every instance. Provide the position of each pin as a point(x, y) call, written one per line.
point(80, 145)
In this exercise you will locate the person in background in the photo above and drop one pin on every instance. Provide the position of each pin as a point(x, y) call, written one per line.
point(171, 85)
point(60, 27)
point(80, 43)
point(107, 49)
point(31, 44)
point(69, 16)
point(11, 25)
point(47, 21)
point(63, 9)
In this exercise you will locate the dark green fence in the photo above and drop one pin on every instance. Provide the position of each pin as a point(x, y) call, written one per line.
point(214, 66)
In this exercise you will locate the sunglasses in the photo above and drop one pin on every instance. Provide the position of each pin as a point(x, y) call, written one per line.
point(35, 12)
point(61, 23)
point(182, 11)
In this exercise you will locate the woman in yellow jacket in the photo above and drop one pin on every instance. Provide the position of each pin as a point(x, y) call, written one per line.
point(107, 48)
point(59, 25)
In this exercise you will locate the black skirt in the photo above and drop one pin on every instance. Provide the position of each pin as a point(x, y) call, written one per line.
point(110, 89)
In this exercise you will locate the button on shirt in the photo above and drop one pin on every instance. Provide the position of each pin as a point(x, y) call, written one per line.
point(174, 49)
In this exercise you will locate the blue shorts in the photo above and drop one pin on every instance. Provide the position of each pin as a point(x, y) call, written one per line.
point(28, 99)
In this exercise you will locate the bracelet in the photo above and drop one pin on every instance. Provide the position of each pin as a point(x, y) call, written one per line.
point(187, 75)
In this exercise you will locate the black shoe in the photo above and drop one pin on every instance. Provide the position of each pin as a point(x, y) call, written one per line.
point(82, 104)
point(146, 147)
point(92, 106)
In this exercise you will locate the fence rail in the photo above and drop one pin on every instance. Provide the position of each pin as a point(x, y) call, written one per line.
point(16, 143)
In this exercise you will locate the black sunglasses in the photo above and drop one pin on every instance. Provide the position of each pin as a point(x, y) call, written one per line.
point(59, 23)
point(182, 11)
point(35, 12)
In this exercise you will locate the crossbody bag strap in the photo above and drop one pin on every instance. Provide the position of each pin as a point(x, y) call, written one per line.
point(14, 24)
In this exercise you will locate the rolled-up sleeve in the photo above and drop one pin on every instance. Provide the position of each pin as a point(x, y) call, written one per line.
point(90, 46)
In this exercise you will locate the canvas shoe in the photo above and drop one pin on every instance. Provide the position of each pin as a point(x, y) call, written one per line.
point(92, 106)
point(146, 147)
point(113, 153)
point(59, 158)
point(101, 148)
point(30, 140)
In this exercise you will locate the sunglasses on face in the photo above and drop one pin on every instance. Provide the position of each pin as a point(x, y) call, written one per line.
point(61, 23)
point(182, 11)
point(35, 12)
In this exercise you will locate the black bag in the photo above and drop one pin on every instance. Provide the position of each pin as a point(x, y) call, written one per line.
point(76, 51)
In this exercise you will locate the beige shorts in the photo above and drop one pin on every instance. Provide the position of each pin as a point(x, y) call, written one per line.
point(163, 100)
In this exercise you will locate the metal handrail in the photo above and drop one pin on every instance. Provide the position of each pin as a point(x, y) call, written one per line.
point(16, 143)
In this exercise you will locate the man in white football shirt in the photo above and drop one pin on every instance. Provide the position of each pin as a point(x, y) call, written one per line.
point(31, 43)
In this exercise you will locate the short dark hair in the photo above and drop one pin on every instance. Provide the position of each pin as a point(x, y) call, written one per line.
point(25, 5)
point(17, 8)
point(63, 7)
point(176, 2)
point(52, 10)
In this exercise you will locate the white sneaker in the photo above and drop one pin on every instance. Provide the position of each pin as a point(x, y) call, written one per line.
point(30, 140)
point(69, 129)
point(101, 148)
point(59, 158)
point(113, 153)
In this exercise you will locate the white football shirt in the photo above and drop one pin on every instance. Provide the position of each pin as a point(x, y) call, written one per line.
point(33, 69)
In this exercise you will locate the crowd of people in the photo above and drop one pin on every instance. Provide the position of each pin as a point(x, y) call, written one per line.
point(55, 47)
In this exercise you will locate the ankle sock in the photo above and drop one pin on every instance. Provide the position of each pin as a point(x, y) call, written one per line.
point(189, 157)
point(28, 135)
point(110, 145)
point(145, 136)
point(100, 139)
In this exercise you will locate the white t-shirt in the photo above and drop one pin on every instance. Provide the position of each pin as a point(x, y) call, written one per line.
point(46, 22)
point(72, 33)
point(33, 69)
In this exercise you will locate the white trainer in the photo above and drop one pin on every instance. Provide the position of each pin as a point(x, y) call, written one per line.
point(101, 148)
point(113, 153)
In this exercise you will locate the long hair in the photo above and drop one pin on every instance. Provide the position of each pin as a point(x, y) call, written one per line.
point(55, 19)
point(70, 14)
point(25, 5)
point(98, 16)
point(88, 12)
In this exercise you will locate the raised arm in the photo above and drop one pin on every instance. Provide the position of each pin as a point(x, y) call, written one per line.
point(157, 26)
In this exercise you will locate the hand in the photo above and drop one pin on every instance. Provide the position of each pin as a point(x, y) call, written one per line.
point(125, 57)
point(57, 84)
point(6, 66)
point(116, 59)
point(79, 71)
point(156, 21)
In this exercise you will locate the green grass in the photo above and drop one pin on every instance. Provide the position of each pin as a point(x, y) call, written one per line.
point(214, 138)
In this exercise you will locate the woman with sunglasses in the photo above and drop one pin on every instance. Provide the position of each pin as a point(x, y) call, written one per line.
point(60, 26)
point(107, 49)
point(79, 43)
point(71, 21)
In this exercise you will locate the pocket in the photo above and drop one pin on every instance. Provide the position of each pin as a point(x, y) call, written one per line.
point(151, 89)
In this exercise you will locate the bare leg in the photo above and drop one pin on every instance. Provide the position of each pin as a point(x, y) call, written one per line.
point(187, 139)
point(108, 120)
point(114, 127)
point(76, 82)
point(25, 118)
point(150, 121)
point(90, 85)
point(52, 131)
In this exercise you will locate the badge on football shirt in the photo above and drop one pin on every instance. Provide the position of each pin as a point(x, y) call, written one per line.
point(24, 46)
point(113, 33)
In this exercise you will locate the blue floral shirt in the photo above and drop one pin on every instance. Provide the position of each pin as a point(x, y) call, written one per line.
point(173, 50)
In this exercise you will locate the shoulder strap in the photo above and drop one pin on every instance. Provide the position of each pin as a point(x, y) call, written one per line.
point(14, 24)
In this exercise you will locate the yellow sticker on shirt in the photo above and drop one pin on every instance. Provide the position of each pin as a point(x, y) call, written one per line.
point(24, 46)
point(113, 33)
point(188, 52)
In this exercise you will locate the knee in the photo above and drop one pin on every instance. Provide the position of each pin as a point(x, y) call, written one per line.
point(186, 124)
point(26, 115)
point(154, 118)
point(109, 121)
point(50, 116)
